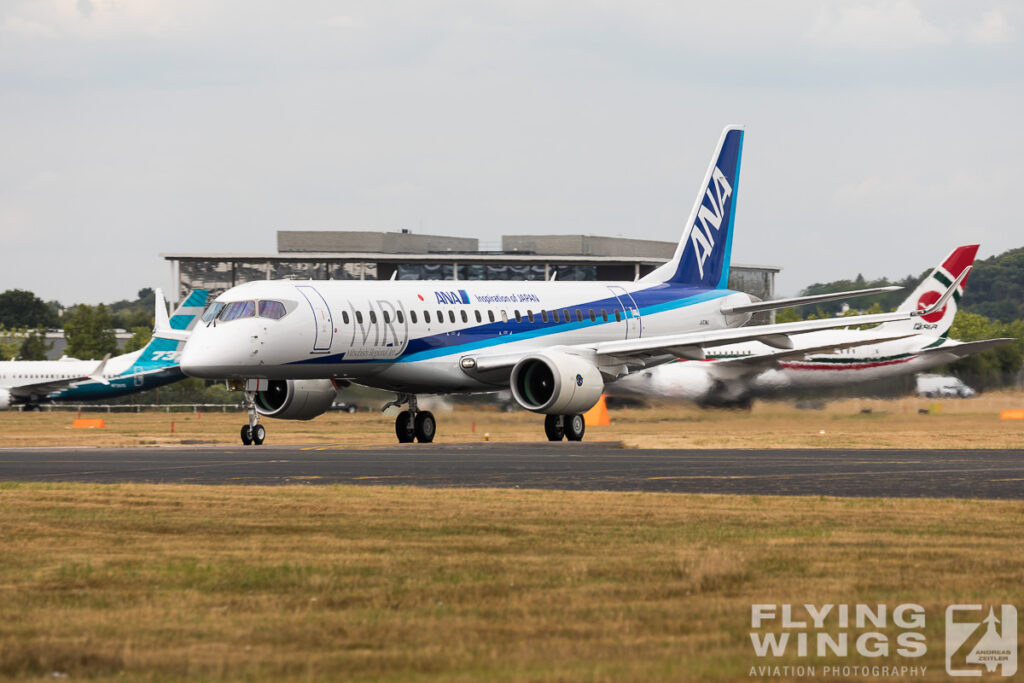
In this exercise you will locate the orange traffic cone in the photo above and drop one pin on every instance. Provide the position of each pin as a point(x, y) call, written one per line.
point(598, 415)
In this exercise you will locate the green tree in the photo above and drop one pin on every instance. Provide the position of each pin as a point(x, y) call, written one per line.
point(140, 337)
point(787, 315)
point(139, 313)
point(10, 344)
point(34, 346)
point(992, 368)
point(19, 308)
point(89, 332)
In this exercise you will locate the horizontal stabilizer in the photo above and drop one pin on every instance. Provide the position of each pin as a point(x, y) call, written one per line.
point(964, 349)
point(805, 300)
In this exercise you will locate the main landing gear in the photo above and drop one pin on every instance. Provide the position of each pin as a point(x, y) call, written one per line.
point(570, 427)
point(253, 433)
point(413, 424)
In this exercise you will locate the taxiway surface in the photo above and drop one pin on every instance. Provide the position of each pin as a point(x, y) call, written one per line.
point(580, 466)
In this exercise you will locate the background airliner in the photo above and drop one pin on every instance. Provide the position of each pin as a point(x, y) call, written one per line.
point(734, 374)
point(554, 344)
point(31, 383)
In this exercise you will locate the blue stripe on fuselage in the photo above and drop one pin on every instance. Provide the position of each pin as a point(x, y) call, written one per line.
point(657, 299)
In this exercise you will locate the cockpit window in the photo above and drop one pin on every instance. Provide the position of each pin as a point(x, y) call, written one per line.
point(238, 309)
point(211, 312)
point(272, 309)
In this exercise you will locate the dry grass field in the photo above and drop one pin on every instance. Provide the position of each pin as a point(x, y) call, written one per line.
point(963, 423)
point(135, 582)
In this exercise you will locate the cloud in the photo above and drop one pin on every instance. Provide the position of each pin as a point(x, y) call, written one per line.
point(992, 29)
point(893, 25)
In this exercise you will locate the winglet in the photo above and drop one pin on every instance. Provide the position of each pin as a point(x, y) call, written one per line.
point(160, 319)
point(97, 374)
point(162, 324)
point(941, 301)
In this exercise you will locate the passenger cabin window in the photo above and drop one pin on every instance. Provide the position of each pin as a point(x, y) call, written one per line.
point(544, 316)
point(373, 317)
point(490, 316)
point(604, 315)
point(451, 315)
point(426, 317)
point(272, 309)
point(238, 309)
point(618, 316)
point(529, 315)
point(579, 315)
point(212, 311)
point(440, 316)
point(344, 317)
point(504, 316)
point(359, 317)
point(465, 318)
point(478, 318)
point(387, 317)
point(412, 317)
point(519, 318)
point(593, 318)
point(401, 318)
point(565, 314)
point(554, 316)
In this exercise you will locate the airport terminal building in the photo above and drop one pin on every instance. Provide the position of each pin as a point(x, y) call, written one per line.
point(367, 255)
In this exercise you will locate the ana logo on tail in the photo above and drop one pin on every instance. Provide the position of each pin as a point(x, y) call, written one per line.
point(710, 214)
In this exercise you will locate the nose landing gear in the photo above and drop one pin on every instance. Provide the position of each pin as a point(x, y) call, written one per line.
point(413, 424)
point(253, 433)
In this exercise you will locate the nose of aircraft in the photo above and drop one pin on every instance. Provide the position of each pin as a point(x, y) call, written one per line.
point(195, 357)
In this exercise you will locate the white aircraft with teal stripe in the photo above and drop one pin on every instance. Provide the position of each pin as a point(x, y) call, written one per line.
point(31, 383)
point(734, 374)
point(556, 345)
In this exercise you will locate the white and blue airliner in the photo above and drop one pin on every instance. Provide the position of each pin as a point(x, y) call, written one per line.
point(554, 344)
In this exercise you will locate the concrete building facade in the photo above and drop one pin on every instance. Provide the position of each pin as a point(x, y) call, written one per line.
point(367, 255)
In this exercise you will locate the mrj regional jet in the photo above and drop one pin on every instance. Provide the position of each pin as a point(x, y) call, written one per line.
point(734, 374)
point(32, 382)
point(554, 344)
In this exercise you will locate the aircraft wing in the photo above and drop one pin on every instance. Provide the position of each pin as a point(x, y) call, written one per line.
point(763, 361)
point(653, 350)
point(616, 358)
point(42, 389)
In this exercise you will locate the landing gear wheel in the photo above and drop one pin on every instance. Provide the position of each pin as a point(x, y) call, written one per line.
point(259, 433)
point(246, 435)
point(404, 428)
point(574, 427)
point(554, 427)
point(425, 426)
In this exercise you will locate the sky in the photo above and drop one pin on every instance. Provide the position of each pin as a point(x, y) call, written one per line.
point(879, 134)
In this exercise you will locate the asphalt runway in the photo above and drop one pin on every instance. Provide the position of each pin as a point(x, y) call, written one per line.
point(577, 466)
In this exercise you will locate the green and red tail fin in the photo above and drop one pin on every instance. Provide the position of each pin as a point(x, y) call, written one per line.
point(928, 292)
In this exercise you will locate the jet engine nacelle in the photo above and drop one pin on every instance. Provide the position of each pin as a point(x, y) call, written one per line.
point(556, 383)
point(5, 399)
point(296, 399)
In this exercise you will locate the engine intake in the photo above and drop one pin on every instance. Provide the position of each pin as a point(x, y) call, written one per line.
point(5, 399)
point(556, 383)
point(296, 399)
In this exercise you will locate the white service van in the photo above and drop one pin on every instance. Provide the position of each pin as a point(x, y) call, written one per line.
point(942, 386)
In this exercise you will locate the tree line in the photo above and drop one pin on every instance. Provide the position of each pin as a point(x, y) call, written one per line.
point(88, 330)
